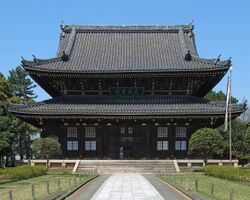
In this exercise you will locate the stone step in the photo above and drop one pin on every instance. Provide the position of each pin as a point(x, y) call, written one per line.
point(117, 165)
point(123, 170)
point(123, 166)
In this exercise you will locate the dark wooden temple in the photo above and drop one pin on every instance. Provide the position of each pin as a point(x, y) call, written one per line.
point(139, 87)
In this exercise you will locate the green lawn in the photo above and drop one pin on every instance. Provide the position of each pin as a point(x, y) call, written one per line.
point(22, 189)
point(221, 186)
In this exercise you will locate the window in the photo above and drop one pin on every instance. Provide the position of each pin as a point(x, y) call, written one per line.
point(90, 145)
point(130, 130)
point(180, 132)
point(180, 145)
point(71, 132)
point(162, 145)
point(90, 132)
point(122, 130)
point(162, 131)
point(54, 137)
point(72, 145)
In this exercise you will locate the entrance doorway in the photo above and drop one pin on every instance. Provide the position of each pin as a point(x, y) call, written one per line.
point(130, 146)
point(133, 143)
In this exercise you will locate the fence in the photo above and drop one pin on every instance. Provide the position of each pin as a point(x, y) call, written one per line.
point(58, 186)
point(214, 188)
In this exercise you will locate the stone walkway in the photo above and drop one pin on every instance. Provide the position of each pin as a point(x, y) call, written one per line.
point(127, 186)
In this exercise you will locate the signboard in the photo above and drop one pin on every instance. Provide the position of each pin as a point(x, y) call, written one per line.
point(126, 91)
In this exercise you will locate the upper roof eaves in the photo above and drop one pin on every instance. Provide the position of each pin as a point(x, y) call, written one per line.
point(62, 58)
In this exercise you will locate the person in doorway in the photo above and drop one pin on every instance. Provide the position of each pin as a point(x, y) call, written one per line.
point(121, 153)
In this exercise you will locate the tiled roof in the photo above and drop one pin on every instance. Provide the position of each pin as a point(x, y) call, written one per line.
point(115, 106)
point(96, 49)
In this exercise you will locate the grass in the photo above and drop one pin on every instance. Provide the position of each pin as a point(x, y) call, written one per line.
point(22, 189)
point(221, 186)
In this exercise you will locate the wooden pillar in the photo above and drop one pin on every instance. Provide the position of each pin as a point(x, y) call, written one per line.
point(171, 136)
point(148, 141)
point(81, 140)
point(100, 139)
point(104, 140)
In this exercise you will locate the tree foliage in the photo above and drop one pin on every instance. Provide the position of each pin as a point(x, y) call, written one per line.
point(205, 143)
point(240, 139)
point(219, 96)
point(6, 135)
point(21, 85)
point(46, 148)
point(14, 133)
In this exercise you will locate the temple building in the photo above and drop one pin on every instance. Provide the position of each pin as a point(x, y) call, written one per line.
point(136, 87)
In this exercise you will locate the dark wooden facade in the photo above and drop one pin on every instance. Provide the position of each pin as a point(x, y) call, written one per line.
point(136, 87)
point(141, 143)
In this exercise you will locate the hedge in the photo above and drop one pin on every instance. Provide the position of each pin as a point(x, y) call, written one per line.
point(22, 172)
point(228, 172)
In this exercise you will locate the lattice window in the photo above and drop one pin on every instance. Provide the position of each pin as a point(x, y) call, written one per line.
point(72, 145)
point(122, 130)
point(90, 145)
point(53, 137)
point(162, 132)
point(130, 130)
point(180, 145)
point(162, 145)
point(90, 132)
point(72, 132)
point(180, 132)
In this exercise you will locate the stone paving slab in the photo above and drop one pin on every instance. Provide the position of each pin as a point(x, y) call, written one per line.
point(127, 186)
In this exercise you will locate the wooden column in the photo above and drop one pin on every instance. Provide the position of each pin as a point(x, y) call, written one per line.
point(148, 141)
point(100, 139)
point(171, 135)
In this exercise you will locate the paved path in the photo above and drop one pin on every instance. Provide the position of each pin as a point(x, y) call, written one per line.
point(127, 186)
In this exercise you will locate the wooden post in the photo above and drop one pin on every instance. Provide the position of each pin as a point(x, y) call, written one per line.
point(212, 189)
point(33, 191)
point(70, 183)
point(196, 185)
point(58, 184)
point(231, 194)
point(186, 183)
point(10, 195)
point(47, 187)
point(181, 183)
point(74, 181)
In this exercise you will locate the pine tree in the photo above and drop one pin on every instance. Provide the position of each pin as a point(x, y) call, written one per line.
point(21, 84)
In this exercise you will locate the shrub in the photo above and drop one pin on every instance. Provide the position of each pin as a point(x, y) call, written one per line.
point(228, 172)
point(22, 172)
point(205, 143)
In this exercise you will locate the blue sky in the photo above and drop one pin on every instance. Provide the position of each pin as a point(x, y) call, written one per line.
point(221, 27)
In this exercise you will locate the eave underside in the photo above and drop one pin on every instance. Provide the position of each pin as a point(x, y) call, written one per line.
point(124, 108)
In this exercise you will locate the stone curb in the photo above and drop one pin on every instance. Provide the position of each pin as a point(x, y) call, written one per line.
point(188, 194)
point(75, 189)
point(185, 193)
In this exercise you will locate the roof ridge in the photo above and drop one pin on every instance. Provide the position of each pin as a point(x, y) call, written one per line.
point(213, 61)
point(69, 46)
point(38, 61)
point(69, 27)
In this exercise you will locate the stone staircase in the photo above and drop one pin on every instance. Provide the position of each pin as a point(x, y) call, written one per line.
point(126, 166)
